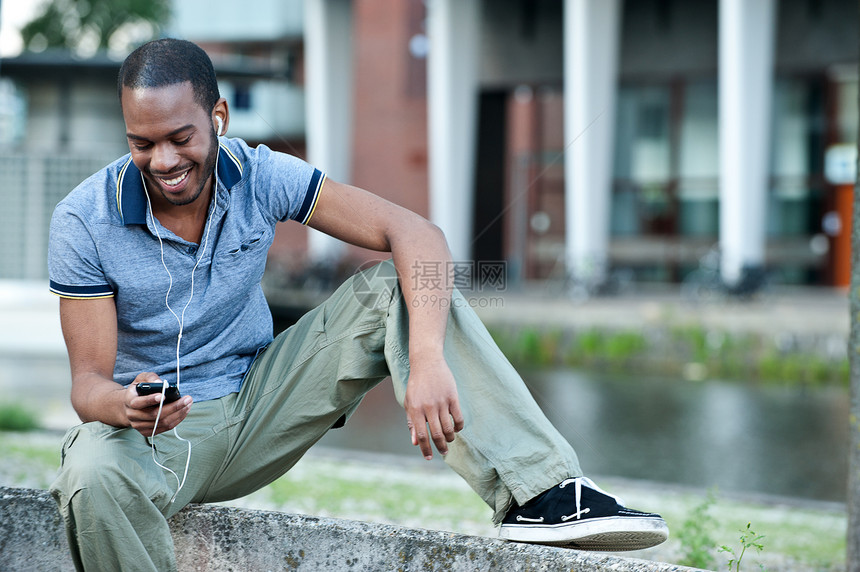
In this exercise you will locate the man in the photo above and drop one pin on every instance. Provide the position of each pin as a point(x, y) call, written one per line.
point(158, 259)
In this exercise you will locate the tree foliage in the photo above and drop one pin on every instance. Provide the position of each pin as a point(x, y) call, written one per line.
point(87, 26)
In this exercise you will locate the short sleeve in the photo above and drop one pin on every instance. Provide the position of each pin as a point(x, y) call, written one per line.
point(287, 187)
point(74, 268)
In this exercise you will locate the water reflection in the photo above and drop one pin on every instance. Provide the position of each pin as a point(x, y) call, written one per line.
point(775, 440)
point(772, 440)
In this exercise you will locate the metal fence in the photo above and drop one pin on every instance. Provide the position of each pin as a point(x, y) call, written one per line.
point(30, 187)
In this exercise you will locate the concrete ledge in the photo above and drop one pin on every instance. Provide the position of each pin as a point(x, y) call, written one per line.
point(215, 538)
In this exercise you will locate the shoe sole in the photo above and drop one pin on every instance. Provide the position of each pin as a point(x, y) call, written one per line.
point(611, 534)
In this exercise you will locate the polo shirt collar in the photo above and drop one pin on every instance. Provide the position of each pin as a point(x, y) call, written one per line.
point(130, 195)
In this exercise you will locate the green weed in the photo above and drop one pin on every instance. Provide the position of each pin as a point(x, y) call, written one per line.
point(749, 539)
point(695, 536)
point(625, 345)
point(538, 348)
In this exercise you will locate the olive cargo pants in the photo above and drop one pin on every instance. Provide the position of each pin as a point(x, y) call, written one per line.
point(115, 500)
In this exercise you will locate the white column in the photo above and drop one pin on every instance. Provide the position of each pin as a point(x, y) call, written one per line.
point(452, 68)
point(746, 29)
point(328, 100)
point(591, 40)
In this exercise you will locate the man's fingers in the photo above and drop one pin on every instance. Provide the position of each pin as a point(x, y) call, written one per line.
point(172, 414)
point(423, 441)
point(444, 425)
point(457, 416)
point(452, 421)
point(180, 411)
point(434, 427)
point(448, 431)
point(418, 432)
point(438, 435)
point(411, 427)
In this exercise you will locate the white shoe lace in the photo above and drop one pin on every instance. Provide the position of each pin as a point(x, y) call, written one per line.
point(578, 482)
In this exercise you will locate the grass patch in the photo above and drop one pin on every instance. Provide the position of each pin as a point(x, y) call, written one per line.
point(670, 351)
point(424, 497)
point(796, 538)
point(30, 459)
point(16, 417)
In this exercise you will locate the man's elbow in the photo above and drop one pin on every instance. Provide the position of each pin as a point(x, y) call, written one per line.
point(433, 232)
point(414, 229)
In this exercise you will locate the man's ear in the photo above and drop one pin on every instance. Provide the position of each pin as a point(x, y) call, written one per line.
point(220, 117)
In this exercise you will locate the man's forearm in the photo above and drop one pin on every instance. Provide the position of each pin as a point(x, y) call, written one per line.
point(96, 398)
point(425, 271)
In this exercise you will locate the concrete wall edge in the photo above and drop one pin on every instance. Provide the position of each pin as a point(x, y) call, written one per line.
point(216, 538)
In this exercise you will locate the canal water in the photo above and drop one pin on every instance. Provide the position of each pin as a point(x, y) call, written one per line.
point(763, 439)
point(735, 436)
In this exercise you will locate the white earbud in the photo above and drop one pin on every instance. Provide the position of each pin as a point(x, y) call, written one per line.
point(220, 125)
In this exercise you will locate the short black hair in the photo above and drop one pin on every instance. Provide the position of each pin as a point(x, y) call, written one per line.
point(169, 61)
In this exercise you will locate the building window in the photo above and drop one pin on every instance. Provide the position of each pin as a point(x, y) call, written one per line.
point(698, 161)
point(641, 201)
point(242, 97)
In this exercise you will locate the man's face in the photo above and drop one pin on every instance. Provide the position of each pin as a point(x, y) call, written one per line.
point(172, 141)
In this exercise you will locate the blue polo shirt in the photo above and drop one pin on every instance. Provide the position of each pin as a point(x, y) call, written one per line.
point(104, 243)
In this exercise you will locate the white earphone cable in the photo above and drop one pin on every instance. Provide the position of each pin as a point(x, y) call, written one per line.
point(180, 319)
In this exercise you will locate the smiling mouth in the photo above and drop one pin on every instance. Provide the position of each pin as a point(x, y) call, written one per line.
point(175, 181)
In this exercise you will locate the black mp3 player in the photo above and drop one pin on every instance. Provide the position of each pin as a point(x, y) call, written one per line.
point(150, 387)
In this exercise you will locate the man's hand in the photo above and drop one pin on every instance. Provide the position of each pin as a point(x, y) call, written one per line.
point(363, 219)
point(142, 410)
point(431, 401)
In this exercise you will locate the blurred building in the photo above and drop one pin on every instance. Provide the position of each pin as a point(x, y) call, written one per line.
point(692, 126)
point(562, 136)
point(66, 126)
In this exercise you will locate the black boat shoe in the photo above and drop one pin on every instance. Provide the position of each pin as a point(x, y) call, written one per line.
point(578, 514)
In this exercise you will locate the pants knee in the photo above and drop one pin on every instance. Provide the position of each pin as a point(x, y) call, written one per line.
point(104, 469)
point(376, 286)
point(89, 474)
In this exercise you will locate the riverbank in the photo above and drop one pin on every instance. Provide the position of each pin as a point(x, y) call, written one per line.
point(394, 489)
point(785, 335)
point(789, 336)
